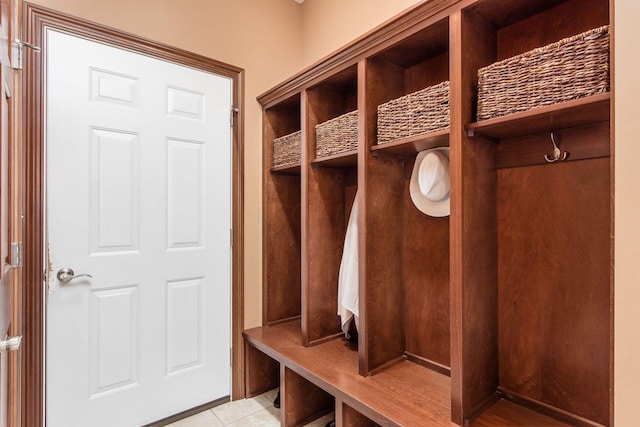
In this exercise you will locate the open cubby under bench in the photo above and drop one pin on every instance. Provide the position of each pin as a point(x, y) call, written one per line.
point(402, 394)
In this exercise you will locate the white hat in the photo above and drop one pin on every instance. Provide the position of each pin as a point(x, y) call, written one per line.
point(429, 186)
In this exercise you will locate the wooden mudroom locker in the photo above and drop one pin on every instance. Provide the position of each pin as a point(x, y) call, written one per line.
point(498, 312)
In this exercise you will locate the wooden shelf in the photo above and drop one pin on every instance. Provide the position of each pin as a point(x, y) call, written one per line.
point(578, 112)
point(410, 146)
point(346, 159)
point(289, 169)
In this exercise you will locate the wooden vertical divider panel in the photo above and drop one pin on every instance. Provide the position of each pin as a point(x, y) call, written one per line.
point(327, 194)
point(281, 221)
point(474, 304)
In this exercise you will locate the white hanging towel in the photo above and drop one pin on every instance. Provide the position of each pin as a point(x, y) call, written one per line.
point(348, 277)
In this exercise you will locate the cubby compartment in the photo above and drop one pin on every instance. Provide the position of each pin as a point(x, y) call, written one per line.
point(552, 291)
point(426, 288)
point(281, 218)
point(352, 418)
point(330, 194)
point(516, 27)
point(406, 265)
point(263, 372)
point(406, 272)
point(333, 100)
point(418, 64)
point(553, 278)
point(536, 302)
point(330, 186)
point(296, 411)
point(280, 121)
point(550, 319)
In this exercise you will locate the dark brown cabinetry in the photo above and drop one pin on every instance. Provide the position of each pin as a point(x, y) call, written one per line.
point(500, 312)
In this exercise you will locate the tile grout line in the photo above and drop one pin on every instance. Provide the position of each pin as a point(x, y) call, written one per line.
point(216, 417)
point(246, 415)
point(265, 404)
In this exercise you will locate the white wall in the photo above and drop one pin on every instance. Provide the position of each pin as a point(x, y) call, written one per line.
point(330, 24)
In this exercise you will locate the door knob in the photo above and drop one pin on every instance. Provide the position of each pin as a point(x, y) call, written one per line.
point(10, 343)
point(65, 275)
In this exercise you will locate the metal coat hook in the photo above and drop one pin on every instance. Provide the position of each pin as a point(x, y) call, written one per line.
point(558, 155)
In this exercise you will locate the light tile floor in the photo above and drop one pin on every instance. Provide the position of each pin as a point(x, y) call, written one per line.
point(257, 411)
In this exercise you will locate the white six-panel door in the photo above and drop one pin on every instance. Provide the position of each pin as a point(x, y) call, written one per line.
point(139, 197)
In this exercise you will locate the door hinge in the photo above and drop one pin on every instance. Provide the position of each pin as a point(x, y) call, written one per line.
point(7, 91)
point(15, 256)
point(234, 111)
point(231, 236)
point(17, 52)
point(10, 343)
point(231, 357)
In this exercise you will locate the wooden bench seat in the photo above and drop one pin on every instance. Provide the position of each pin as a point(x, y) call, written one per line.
point(403, 394)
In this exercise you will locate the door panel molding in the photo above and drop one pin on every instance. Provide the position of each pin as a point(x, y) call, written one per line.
point(36, 19)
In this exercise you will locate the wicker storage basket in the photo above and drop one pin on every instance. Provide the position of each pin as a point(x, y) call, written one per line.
point(571, 68)
point(337, 135)
point(286, 149)
point(417, 113)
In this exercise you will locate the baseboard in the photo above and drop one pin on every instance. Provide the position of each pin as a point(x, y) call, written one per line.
point(482, 406)
point(388, 364)
point(429, 364)
point(326, 339)
point(285, 320)
point(188, 413)
point(546, 409)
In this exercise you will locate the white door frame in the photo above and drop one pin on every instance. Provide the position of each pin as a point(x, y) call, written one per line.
point(36, 19)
